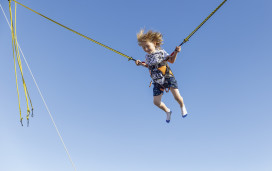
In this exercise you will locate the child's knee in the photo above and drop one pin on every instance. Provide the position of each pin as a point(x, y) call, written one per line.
point(157, 102)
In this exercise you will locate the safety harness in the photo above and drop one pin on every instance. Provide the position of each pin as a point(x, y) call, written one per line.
point(159, 73)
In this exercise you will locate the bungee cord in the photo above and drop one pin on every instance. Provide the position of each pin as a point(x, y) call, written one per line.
point(198, 27)
point(86, 37)
point(49, 112)
point(105, 46)
point(16, 57)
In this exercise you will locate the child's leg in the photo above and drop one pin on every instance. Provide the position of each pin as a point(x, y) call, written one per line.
point(157, 101)
point(179, 99)
point(177, 96)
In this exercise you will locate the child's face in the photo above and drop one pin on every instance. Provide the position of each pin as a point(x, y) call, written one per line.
point(148, 47)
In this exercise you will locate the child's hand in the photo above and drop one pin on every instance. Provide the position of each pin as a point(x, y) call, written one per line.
point(138, 62)
point(178, 48)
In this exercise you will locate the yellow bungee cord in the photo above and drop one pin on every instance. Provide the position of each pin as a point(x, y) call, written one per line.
point(16, 57)
point(105, 46)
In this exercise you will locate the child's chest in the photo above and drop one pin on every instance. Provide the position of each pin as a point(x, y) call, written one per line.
point(154, 58)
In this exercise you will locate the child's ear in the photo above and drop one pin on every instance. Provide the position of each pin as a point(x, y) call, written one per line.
point(155, 44)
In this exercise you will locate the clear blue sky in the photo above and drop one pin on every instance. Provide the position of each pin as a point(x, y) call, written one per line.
point(102, 103)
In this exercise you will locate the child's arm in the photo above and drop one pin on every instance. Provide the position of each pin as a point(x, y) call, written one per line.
point(138, 63)
point(173, 56)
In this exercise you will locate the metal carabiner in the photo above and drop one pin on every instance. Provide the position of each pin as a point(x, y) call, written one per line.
point(21, 120)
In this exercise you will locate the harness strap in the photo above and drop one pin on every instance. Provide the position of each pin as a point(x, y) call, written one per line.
point(164, 89)
point(150, 83)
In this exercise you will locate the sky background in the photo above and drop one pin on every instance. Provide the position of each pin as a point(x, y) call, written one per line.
point(103, 106)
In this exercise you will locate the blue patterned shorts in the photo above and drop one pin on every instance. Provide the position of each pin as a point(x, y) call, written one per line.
point(169, 82)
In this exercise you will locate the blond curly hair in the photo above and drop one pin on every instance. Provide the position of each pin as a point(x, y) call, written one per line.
point(150, 36)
